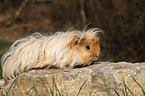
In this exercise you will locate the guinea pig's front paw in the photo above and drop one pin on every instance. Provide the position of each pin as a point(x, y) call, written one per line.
point(62, 66)
point(68, 69)
point(65, 68)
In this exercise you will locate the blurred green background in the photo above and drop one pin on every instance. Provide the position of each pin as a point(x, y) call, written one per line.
point(123, 22)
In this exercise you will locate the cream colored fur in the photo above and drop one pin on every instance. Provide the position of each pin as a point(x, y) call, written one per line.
point(37, 51)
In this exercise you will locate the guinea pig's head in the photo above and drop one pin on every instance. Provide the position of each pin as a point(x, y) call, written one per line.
point(87, 49)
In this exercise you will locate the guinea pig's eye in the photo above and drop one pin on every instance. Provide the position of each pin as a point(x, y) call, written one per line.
point(88, 47)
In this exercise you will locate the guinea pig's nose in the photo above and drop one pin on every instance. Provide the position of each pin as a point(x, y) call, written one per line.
point(96, 58)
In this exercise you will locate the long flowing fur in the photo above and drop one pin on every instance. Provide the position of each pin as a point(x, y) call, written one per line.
point(37, 51)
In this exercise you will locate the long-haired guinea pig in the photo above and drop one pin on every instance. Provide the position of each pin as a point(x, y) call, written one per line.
point(62, 50)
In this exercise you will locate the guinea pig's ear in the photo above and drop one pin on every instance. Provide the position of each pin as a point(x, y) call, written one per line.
point(78, 40)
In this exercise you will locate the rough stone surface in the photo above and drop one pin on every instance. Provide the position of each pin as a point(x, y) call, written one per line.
point(68, 82)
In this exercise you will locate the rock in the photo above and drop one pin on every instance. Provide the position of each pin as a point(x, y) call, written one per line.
point(92, 79)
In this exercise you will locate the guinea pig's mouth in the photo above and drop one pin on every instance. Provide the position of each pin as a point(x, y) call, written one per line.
point(94, 61)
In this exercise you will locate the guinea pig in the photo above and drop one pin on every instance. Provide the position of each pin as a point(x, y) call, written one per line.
point(62, 50)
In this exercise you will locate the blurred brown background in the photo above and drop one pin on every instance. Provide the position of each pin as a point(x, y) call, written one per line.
point(123, 22)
